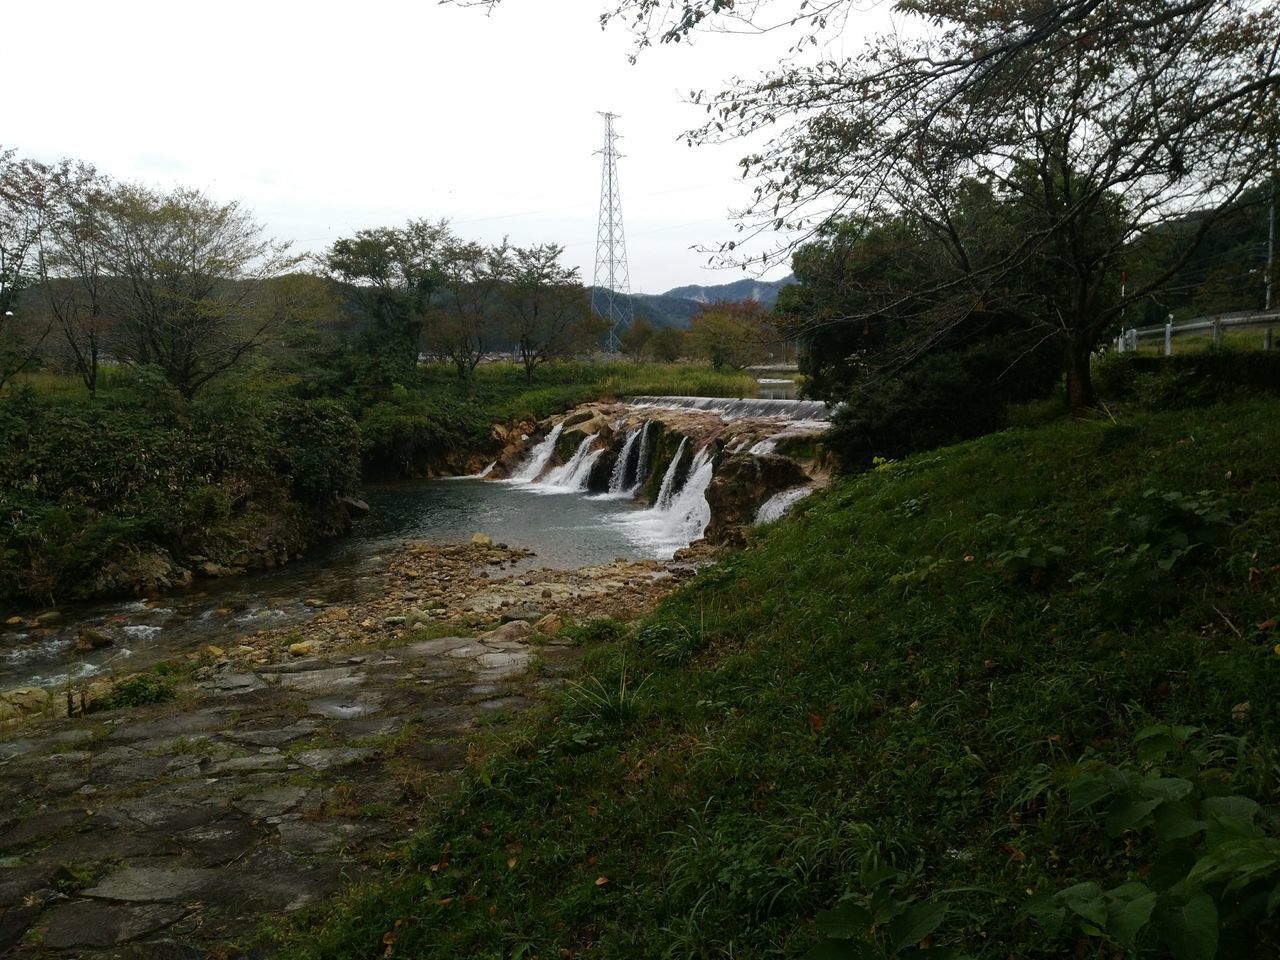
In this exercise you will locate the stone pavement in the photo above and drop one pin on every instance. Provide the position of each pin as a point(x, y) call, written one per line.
point(171, 831)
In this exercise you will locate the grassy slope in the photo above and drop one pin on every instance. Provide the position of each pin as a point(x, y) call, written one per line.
point(881, 681)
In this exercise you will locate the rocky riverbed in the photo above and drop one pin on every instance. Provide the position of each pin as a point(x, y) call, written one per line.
point(288, 763)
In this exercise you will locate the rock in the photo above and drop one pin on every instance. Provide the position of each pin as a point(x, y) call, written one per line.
point(326, 758)
point(93, 638)
point(549, 625)
point(210, 569)
point(394, 621)
point(314, 602)
point(214, 650)
point(743, 482)
point(355, 506)
point(24, 700)
point(521, 612)
point(154, 884)
point(511, 631)
point(340, 614)
point(47, 618)
point(302, 648)
point(14, 622)
point(482, 540)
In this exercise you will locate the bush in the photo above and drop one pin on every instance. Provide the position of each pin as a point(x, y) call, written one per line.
point(138, 691)
point(1188, 380)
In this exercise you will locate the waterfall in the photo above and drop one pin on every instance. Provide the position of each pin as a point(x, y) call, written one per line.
point(476, 476)
point(730, 409)
point(669, 478)
point(776, 507)
point(539, 457)
point(618, 479)
point(574, 474)
point(689, 513)
point(763, 448)
point(642, 459)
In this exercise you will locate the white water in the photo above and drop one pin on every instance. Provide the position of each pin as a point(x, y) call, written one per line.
point(642, 461)
point(679, 517)
point(539, 457)
point(618, 479)
point(476, 476)
point(776, 507)
point(730, 409)
point(575, 474)
point(763, 448)
point(665, 492)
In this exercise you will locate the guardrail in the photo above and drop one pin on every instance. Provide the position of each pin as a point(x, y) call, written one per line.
point(1127, 342)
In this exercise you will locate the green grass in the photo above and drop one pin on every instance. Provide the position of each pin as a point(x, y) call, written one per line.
point(1203, 342)
point(886, 702)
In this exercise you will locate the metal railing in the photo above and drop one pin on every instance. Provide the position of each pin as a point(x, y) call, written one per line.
point(1216, 325)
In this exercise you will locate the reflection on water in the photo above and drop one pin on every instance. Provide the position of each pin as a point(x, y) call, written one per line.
point(563, 531)
point(770, 388)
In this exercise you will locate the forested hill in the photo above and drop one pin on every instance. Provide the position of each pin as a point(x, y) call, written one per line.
point(676, 307)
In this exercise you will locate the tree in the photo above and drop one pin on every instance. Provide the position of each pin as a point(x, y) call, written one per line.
point(731, 333)
point(192, 276)
point(547, 310)
point(76, 284)
point(25, 201)
point(637, 340)
point(464, 324)
point(1170, 106)
point(667, 344)
point(393, 273)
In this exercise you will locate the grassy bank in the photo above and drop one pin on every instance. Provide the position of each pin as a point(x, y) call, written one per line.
point(1012, 698)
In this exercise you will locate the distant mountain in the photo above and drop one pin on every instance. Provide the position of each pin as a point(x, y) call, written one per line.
point(676, 308)
point(762, 291)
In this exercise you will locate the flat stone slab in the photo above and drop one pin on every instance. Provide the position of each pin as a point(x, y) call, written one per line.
point(326, 836)
point(273, 736)
point(319, 681)
point(93, 924)
point(175, 726)
point(433, 648)
point(275, 802)
point(328, 757)
point(238, 683)
point(345, 707)
point(252, 764)
point(155, 884)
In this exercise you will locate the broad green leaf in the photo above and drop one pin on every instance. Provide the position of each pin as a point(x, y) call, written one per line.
point(916, 924)
point(843, 950)
point(1127, 814)
point(1086, 791)
point(1236, 808)
point(1238, 862)
point(1195, 930)
point(1086, 900)
point(1156, 747)
point(1220, 830)
point(1166, 788)
point(1127, 916)
point(846, 920)
point(1175, 821)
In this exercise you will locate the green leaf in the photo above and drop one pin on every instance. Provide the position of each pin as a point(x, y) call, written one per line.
point(1235, 808)
point(916, 924)
point(1086, 900)
point(1239, 862)
point(1127, 916)
point(1166, 788)
point(842, 950)
point(1088, 790)
point(1193, 932)
point(1126, 815)
point(1175, 821)
point(844, 921)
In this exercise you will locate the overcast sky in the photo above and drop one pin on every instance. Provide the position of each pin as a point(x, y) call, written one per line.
point(324, 118)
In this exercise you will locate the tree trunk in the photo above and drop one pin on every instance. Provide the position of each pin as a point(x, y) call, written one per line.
point(1079, 378)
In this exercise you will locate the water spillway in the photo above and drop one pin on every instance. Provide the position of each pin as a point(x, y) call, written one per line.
point(539, 457)
point(731, 409)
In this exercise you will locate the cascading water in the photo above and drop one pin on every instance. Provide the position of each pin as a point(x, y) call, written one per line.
point(666, 491)
point(642, 459)
point(730, 409)
point(763, 448)
point(539, 457)
point(776, 507)
point(618, 479)
point(575, 474)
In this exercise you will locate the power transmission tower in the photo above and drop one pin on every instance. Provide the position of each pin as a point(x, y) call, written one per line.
point(611, 286)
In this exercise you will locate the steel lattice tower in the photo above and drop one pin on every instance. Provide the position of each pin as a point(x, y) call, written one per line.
point(612, 283)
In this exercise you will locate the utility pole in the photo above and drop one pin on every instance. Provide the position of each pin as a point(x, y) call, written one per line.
point(612, 283)
point(1271, 252)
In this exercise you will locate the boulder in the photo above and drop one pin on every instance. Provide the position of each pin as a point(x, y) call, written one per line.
point(514, 630)
point(740, 485)
point(521, 612)
point(549, 625)
point(24, 701)
point(355, 507)
point(94, 638)
point(482, 540)
point(301, 649)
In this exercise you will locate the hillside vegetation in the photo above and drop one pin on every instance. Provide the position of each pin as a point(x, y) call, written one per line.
point(1011, 698)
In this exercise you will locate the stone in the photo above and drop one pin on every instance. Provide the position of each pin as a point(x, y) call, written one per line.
point(511, 631)
point(275, 802)
point(325, 836)
point(549, 625)
point(47, 618)
point(318, 681)
point(254, 764)
point(302, 648)
point(238, 683)
point(215, 651)
point(394, 621)
point(355, 506)
point(93, 638)
point(482, 540)
point(94, 924)
point(326, 758)
point(24, 700)
point(342, 707)
point(521, 612)
point(13, 622)
point(154, 884)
